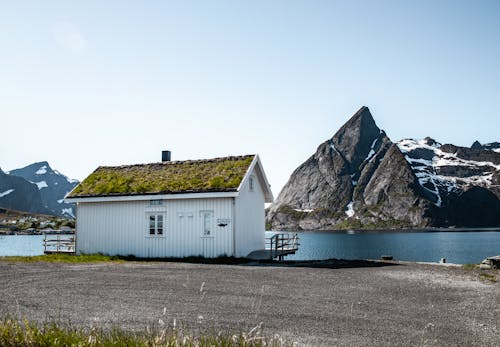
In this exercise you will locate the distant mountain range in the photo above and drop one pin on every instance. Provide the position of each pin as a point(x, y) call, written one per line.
point(36, 188)
point(361, 179)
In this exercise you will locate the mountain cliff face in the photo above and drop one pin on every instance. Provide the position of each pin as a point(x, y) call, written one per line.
point(463, 183)
point(47, 188)
point(18, 194)
point(360, 178)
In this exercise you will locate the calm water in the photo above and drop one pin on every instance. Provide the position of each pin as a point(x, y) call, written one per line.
point(456, 247)
point(21, 245)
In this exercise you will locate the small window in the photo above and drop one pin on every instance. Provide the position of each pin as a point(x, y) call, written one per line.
point(159, 224)
point(207, 220)
point(155, 202)
point(155, 224)
point(250, 183)
point(152, 225)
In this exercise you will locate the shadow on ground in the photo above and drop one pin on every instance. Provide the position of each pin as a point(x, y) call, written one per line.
point(327, 263)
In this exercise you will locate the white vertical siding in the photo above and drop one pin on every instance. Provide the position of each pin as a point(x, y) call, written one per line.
point(122, 228)
point(250, 218)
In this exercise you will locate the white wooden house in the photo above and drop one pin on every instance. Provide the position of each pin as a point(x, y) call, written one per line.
point(206, 208)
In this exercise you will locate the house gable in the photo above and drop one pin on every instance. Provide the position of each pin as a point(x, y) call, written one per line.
point(255, 171)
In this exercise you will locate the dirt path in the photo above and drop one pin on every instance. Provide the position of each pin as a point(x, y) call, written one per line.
point(393, 305)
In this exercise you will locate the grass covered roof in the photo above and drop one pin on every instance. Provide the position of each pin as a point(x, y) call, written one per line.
point(191, 176)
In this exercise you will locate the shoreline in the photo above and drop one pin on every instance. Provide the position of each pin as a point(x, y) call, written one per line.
point(400, 230)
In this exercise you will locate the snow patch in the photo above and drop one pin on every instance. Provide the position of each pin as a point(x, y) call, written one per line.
point(425, 170)
point(420, 161)
point(350, 209)
point(372, 152)
point(332, 146)
point(496, 150)
point(42, 170)
point(41, 184)
point(60, 201)
point(302, 210)
point(68, 211)
point(7, 192)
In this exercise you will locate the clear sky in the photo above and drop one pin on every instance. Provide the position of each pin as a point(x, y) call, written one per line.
point(89, 83)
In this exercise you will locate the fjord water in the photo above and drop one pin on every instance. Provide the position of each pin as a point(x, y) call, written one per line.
point(25, 245)
point(456, 247)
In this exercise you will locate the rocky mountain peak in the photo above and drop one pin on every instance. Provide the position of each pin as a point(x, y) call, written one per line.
point(429, 141)
point(52, 185)
point(359, 178)
point(357, 138)
point(476, 145)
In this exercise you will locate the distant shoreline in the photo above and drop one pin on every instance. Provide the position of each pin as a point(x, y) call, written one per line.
point(405, 230)
point(36, 232)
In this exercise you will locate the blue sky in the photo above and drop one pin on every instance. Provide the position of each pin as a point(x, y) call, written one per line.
point(89, 83)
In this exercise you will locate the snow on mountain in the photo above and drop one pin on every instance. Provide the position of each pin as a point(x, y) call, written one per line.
point(41, 184)
point(356, 178)
point(68, 212)
point(7, 192)
point(52, 184)
point(444, 169)
point(41, 170)
point(359, 178)
point(16, 193)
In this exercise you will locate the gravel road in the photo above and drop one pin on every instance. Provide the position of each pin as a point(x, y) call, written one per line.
point(419, 305)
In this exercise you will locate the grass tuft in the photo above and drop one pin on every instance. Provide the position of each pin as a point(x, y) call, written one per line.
point(26, 333)
point(65, 258)
point(101, 258)
point(488, 277)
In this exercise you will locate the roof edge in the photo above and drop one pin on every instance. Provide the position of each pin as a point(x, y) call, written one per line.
point(145, 197)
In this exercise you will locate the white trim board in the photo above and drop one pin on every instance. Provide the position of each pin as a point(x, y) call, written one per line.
point(209, 195)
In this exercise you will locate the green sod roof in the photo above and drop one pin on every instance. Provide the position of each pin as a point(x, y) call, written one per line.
point(192, 176)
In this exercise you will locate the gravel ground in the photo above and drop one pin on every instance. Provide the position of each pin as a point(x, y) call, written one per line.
point(399, 305)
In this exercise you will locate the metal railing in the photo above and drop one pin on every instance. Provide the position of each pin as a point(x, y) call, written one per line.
point(57, 243)
point(282, 244)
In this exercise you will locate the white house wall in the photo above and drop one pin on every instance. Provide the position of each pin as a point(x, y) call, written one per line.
point(250, 218)
point(122, 228)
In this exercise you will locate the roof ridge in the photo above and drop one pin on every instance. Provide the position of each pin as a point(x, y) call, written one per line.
point(188, 161)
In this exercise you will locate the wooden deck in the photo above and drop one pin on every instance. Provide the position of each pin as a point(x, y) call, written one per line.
point(57, 243)
point(278, 246)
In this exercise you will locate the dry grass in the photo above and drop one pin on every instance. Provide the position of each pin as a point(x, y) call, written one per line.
point(488, 277)
point(26, 333)
point(65, 258)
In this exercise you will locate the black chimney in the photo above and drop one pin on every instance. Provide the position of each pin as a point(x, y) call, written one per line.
point(165, 156)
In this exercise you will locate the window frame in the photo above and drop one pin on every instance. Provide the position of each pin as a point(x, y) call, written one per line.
point(251, 183)
point(157, 229)
point(211, 225)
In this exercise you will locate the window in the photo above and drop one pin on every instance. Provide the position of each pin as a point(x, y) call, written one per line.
point(155, 224)
point(155, 202)
point(250, 183)
point(207, 221)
